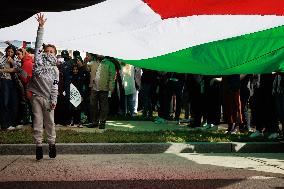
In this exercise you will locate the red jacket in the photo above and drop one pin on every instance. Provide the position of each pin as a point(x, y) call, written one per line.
point(27, 66)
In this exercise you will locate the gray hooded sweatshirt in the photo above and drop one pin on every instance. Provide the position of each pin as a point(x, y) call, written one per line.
point(45, 78)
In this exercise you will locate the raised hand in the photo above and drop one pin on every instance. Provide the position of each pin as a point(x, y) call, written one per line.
point(10, 60)
point(41, 20)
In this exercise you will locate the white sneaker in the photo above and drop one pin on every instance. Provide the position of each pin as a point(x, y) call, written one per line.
point(256, 134)
point(273, 136)
point(11, 128)
point(18, 127)
point(227, 132)
point(205, 126)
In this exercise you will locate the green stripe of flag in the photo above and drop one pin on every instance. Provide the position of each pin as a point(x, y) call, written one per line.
point(260, 52)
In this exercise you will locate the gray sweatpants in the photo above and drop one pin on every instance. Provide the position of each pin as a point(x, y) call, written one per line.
point(43, 116)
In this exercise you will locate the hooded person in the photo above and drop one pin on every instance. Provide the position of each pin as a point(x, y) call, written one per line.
point(43, 92)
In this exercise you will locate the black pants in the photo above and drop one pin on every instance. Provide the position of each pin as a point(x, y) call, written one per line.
point(63, 107)
point(99, 100)
point(174, 88)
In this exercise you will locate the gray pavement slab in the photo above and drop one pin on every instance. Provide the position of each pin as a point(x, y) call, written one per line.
point(167, 170)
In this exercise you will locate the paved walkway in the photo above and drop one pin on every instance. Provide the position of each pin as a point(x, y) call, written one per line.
point(161, 171)
point(145, 165)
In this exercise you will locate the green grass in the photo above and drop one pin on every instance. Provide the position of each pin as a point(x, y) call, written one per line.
point(115, 136)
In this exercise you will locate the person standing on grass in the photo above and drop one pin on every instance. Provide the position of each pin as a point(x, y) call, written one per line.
point(78, 81)
point(232, 112)
point(128, 81)
point(278, 97)
point(148, 84)
point(21, 72)
point(101, 84)
point(9, 98)
point(43, 91)
point(23, 75)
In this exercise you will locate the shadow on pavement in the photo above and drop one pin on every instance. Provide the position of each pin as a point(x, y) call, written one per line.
point(123, 184)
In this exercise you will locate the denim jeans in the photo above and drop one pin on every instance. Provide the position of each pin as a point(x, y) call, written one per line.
point(129, 104)
point(9, 103)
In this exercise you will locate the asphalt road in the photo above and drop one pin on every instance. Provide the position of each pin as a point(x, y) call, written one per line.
point(165, 170)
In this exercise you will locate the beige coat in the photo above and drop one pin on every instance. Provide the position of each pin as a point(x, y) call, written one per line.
point(105, 79)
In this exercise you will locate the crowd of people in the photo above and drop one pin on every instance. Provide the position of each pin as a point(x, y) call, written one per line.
point(246, 102)
point(110, 88)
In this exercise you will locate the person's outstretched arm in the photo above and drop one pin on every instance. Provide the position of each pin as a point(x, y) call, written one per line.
point(39, 38)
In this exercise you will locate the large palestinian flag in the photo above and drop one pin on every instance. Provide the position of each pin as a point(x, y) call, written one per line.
point(190, 36)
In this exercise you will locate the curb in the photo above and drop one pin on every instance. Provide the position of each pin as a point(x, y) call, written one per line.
point(147, 148)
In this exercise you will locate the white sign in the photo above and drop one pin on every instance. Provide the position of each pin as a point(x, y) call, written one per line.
point(75, 96)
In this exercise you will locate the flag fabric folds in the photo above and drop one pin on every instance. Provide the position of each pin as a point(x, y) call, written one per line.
point(212, 37)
